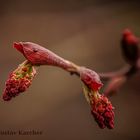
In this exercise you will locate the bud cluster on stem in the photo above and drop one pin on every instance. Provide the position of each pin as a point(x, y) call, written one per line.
point(19, 80)
point(36, 55)
point(101, 108)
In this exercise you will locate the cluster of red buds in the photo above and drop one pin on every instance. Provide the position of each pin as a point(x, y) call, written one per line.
point(101, 107)
point(36, 55)
point(19, 80)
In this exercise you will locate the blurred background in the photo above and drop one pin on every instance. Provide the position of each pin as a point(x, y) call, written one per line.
point(86, 32)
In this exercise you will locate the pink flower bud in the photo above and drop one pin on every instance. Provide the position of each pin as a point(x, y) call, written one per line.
point(101, 107)
point(39, 55)
point(90, 78)
point(19, 80)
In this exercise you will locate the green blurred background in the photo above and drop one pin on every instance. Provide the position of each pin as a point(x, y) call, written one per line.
point(86, 32)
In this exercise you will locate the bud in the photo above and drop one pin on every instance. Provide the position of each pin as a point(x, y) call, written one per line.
point(90, 78)
point(19, 80)
point(101, 107)
point(39, 55)
point(129, 46)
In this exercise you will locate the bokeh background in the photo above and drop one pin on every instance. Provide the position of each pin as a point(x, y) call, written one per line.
point(86, 32)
